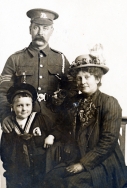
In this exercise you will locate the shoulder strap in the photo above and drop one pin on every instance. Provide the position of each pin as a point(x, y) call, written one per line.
point(20, 51)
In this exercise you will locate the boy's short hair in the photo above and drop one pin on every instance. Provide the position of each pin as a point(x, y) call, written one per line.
point(21, 89)
point(20, 95)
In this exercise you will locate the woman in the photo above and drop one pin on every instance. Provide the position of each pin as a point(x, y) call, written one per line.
point(95, 123)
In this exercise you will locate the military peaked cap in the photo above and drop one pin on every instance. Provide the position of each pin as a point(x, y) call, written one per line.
point(42, 16)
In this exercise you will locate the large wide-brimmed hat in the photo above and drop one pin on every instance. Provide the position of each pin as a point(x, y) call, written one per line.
point(22, 88)
point(42, 16)
point(93, 59)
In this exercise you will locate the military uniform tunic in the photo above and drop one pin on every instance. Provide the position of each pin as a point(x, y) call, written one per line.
point(38, 68)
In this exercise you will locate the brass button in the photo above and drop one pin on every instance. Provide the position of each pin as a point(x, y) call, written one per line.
point(39, 88)
point(41, 55)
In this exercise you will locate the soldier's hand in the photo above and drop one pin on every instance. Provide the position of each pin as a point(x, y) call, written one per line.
point(70, 78)
point(49, 140)
point(7, 125)
point(57, 101)
point(58, 97)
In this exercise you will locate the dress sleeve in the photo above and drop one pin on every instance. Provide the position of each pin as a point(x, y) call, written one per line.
point(110, 122)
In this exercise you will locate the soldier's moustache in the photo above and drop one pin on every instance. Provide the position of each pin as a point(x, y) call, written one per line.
point(39, 38)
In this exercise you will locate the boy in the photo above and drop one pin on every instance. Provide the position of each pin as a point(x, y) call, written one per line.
point(22, 150)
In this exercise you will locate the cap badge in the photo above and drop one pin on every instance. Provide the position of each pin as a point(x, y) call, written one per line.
point(43, 15)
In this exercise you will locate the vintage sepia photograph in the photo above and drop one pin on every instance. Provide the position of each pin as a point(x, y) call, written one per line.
point(63, 93)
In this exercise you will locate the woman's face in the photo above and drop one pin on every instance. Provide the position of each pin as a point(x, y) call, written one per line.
point(86, 82)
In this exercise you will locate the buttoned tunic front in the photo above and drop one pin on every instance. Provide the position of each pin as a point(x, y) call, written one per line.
point(38, 68)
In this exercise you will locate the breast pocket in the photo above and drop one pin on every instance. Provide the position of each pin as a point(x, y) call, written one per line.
point(25, 74)
point(55, 72)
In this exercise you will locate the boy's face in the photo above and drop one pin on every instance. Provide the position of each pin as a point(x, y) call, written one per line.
point(22, 106)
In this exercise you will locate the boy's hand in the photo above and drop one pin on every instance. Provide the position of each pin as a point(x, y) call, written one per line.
point(49, 140)
point(7, 125)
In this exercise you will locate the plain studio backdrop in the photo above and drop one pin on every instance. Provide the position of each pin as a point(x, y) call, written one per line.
point(81, 24)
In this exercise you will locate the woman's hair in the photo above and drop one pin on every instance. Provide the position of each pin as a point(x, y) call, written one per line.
point(95, 71)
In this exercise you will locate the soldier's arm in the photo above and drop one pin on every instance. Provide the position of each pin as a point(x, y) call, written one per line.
point(68, 87)
point(6, 81)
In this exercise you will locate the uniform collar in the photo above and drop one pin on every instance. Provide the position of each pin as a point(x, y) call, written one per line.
point(35, 51)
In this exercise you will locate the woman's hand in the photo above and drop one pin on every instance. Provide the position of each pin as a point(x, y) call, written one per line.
point(75, 168)
point(49, 140)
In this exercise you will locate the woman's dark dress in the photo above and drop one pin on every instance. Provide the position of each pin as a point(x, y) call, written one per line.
point(97, 143)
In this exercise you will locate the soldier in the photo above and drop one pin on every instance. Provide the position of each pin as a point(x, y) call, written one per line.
point(38, 65)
